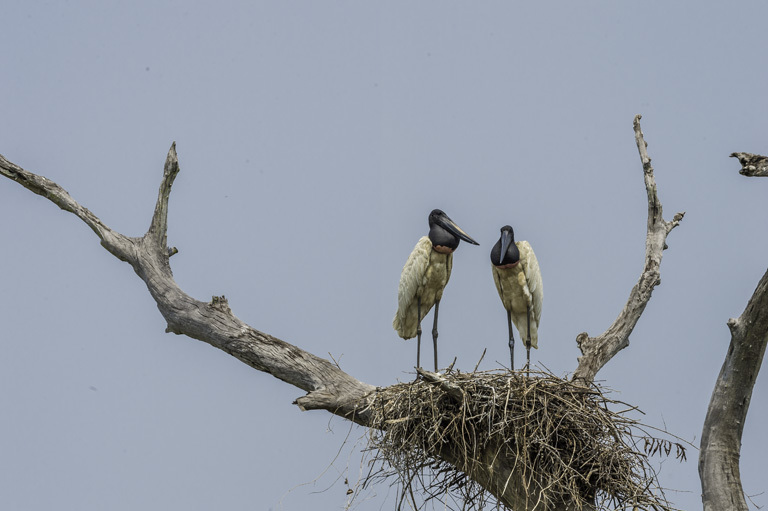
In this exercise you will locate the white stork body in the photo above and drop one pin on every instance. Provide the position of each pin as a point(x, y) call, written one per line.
point(424, 277)
point(425, 274)
point(517, 277)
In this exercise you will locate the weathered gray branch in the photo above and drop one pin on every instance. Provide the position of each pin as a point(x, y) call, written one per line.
point(44, 187)
point(597, 351)
point(727, 412)
point(328, 387)
point(752, 165)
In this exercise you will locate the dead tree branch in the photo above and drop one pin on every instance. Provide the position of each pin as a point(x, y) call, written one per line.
point(327, 386)
point(727, 412)
point(597, 351)
point(752, 165)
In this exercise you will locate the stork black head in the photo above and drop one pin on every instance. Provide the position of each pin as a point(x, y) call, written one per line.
point(445, 233)
point(505, 251)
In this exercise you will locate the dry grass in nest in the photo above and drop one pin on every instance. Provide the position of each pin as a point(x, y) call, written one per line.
point(559, 435)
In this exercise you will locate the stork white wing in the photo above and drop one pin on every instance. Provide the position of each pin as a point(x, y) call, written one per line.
point(532, 277)
point(411, 279)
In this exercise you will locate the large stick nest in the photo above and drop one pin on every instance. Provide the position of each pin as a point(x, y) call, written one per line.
point(559, 441)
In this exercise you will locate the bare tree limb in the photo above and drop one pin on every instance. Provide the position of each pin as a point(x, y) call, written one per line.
point(44, 187)
point(158, 229)
point(597, 351)
point(328, 387)
point(727, 412)
point(752, 165)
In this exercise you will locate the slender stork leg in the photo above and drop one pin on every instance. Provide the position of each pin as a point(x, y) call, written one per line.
point(434, 332)
point(418, 332)
point(511, 342)
point(528, 346)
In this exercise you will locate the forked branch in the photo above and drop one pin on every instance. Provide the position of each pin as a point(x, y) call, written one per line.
point(327, 386)
point(597, 351)
point(727, 412)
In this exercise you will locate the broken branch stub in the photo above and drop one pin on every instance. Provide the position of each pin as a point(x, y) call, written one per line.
point(752, 165)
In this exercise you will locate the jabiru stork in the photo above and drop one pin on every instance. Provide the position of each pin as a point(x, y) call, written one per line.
point(424, 276)
point(518, 281)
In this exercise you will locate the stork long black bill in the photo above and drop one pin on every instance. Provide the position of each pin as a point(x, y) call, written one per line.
point(507, 237)
point(505, 250)
point(441, 219)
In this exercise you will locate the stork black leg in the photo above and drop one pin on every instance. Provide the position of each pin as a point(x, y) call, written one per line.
point(528, 345)
point(511, 342)
point(418, 332)
point(434, 332)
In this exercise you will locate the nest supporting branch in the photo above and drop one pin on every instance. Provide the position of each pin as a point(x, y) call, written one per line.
point(327, 386)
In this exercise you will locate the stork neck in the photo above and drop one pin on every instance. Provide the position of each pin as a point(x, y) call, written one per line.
point(440, 249)
point(442, 238)
point(511, 256)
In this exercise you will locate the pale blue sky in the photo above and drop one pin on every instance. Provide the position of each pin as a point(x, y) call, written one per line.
point(314, 139)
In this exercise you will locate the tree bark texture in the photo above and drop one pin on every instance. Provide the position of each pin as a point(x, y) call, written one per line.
point(727, 412)
point(752, 165)
point(597, 351)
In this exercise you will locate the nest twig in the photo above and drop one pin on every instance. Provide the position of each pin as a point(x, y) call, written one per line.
point(563, 440)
